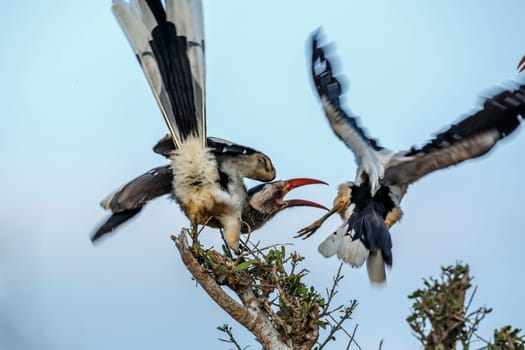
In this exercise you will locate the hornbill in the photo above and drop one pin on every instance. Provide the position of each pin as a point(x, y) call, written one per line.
point(262, 202)
point(521, 65)
point(370, 205)
point(169, 45)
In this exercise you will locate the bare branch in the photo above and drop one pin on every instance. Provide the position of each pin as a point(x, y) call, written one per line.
point(332, 292)
point(338, 326)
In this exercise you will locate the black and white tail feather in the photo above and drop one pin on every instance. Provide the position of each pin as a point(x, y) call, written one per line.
point(363, 236)
point(169, 45)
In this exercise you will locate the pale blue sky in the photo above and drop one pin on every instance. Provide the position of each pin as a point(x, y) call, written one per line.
point(79, 120)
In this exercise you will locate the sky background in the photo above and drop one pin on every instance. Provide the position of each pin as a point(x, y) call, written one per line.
point(79, 120)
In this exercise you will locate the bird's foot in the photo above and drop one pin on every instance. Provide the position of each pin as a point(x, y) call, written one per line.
point(194, 234)
point(309, 230)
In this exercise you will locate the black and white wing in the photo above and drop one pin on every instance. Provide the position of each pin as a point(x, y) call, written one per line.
point(246, 161)
point(222, 146)
point(370, 157)
point(128, 201)
point(217, 145)
point(169, 45)
point(472, 137)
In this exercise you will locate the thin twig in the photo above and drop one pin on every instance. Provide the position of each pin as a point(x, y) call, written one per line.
point(352, 340)
point(333, 291)
point(228, 330)
point(471, 298)
point(338, 326)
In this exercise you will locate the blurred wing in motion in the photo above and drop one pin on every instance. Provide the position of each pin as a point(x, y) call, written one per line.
point(470, 138)
point(128, 201)
point(370, 157)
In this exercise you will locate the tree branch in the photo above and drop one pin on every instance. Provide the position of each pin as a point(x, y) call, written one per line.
point(250, 315)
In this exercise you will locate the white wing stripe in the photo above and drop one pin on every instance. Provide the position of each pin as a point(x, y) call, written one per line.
point(138, 36)
point(188, 16)
point(368, 160)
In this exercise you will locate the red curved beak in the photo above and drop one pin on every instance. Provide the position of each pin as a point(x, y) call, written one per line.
point(298, 182)
point(521, 65)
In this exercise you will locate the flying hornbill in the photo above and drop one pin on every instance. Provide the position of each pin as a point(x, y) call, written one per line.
point(262, 202)
point(169, 45)
point(521, 65)
point(370, 205)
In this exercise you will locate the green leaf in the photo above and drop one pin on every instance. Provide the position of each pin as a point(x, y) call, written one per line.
point(244, 265)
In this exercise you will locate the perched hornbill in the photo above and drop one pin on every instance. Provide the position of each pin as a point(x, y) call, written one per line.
point(521, 65)
point(370, 205)
point(263, 201)
point(169, 45)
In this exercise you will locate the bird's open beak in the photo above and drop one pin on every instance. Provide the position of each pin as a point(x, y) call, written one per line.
point(298, 182)
point(521, 65)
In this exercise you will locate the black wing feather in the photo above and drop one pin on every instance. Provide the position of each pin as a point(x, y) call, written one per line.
point(470, 138)
point(131, 198)
point(165, 147)
point(170, 50)
point(499, 113)
point(114, 221)
point(150, 185)
point(368, 223)
point(328, 85)
point(221, 146)
point(377, 236)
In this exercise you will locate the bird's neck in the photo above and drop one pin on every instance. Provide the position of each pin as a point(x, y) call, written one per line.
point(253, 219)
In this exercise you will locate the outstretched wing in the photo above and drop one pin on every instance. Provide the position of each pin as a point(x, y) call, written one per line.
point(169, 45)
point(470, 138)
point(222, 146)
point(370, 157)
point(247, 161)
point(217, 145)
point(128, 201)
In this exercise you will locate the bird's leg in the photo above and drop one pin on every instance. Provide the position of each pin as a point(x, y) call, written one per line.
point(194, 234)
point(228, 250)
point(225, 247)
point(309, 230)
point(243, 244)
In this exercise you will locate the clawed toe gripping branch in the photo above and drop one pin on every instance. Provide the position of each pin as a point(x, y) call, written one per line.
point(273, 301)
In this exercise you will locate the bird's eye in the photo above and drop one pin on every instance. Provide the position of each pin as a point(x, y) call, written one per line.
point(278, 194)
